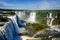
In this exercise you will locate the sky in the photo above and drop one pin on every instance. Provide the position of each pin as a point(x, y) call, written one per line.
point(30, 4)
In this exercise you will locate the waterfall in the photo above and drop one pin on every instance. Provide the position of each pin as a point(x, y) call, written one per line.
point(50, 19)
point(15, 23)
point(50, 15)
point(9, 31)
point(20, 14)
point(13, 18)
point(18, 24)
point(32, 17)
point(12, 29)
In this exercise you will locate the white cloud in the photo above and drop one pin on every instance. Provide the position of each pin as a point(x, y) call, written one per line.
point(44, 5)
point(5, 3)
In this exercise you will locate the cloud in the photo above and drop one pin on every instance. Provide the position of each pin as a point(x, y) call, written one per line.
point(5, 3)
point(41, 5)
point(44, 5)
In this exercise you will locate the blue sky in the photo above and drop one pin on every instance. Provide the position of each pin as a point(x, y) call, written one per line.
point(30, 4)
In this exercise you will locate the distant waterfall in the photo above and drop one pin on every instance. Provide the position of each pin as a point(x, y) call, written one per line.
point(49, 19)
point(32, 17)
point(20, 14)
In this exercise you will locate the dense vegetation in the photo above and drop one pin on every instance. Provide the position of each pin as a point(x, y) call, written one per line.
point(3, 19)
point(42, 17)
point(35, 27)
point(7, 12)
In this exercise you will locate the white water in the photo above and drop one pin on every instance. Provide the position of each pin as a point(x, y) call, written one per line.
point(32, 17)
point(20, 14)
point(12, 29)
point(50, 15)
point(13, 18)
point(50, 19)
point(15, 23)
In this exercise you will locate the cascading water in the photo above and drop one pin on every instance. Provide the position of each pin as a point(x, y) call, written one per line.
point(20, 14)
point(50, 19)
point(53, 28)
point(50, 16)
point(32, 17)
point(12, 29)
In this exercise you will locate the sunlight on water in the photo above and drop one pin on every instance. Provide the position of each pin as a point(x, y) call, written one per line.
point(32, 17)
